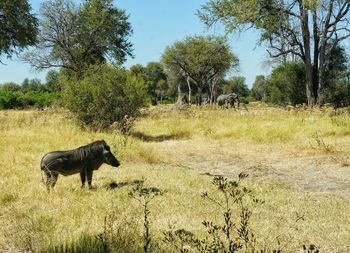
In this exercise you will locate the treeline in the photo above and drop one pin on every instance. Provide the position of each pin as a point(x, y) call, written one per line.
point(31, 93)
point(89, 48)
point(287, 84)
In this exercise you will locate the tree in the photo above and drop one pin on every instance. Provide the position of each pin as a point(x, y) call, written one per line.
point(306, 29)
point(258, 89)
point(75, 38)
point(154, 75)
point(137, 69)
point(29, 85)
point(237, 85)
point(337, 84)
point(10, 86)
point(203, 60)
point(18, 27)
point(53, 83)
point(286, 84)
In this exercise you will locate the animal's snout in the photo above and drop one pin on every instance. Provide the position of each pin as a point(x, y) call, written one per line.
point(116, 163)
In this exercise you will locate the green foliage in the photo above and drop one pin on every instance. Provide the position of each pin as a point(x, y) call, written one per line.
point(15, 99)
point(286, 84)
point(18, 27)
point(76, 37)
point(10, 86)
point(32, 85)
point(237, 85)
point(9, 99)
point(258, 89)
point(53, 83)
point(104, 95)
point(203, 59)
point(39, 99)
point(155, 78)
point(337, 81)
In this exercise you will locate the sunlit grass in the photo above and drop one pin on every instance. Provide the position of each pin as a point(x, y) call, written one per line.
point(33, 220)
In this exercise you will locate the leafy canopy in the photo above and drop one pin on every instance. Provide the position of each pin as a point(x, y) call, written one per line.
point(18, 27)
point(200, 58)
point(77, 37)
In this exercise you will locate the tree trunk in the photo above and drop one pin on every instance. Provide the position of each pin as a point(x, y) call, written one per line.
point(179, 95)
point(199, 95)
point(189, 90)
point(308, 64)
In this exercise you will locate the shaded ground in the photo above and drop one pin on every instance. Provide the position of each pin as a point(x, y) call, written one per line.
point(317, 173)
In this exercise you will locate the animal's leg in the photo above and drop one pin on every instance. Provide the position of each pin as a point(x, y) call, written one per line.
point(48, 180)
point(54, 177)
point(89, 177)
point(83, 178)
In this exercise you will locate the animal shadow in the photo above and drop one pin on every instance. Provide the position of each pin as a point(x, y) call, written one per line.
point(114, 185)
point(159, 138)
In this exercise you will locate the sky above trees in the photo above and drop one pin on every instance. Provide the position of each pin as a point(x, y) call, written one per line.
point(156, 25)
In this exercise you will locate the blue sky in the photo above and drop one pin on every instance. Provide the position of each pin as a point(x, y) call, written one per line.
point(156, 25)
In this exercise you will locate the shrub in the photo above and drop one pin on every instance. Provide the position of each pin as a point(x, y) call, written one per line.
point(14, 99)
point(38, 99)
point(9, 99)
point(286, 84)
point(104, 95)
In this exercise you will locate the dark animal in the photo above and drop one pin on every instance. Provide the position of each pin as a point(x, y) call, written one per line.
point(83, 160)
point(228, 99)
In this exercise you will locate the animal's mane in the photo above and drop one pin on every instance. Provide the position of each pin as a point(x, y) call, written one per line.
point(88, 150)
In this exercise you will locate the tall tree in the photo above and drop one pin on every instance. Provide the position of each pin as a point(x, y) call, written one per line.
point(153, 74)
point(237, 85)
point(18, 26)
point(201, 60)
point(75, 38)
point(306, 29)
point(259, 88)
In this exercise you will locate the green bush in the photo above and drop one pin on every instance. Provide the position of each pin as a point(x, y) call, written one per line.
point(14, 99)
point(286, 84)
point(104, 95)
point(9, 99)
point(38, 99)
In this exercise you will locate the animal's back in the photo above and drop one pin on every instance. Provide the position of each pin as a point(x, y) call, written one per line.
point(55, 161)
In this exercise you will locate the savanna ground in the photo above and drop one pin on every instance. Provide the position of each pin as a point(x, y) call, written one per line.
point(297, 161)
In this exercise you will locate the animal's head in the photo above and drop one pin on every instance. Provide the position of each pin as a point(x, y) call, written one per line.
point(108, 157)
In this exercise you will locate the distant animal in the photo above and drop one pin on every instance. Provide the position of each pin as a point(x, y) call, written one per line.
point(228, 99)
point(83, 160)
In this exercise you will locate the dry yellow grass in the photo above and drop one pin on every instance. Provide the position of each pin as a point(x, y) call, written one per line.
point(297, 161)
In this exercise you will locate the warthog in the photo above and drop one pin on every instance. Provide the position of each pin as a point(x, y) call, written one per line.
point(228, 99)
point(83, 160)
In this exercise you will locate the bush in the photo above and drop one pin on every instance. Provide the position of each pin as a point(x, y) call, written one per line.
point(38, 99)
point(9, 99)
point(287, 84)
point(104, 95)
point(14, 99)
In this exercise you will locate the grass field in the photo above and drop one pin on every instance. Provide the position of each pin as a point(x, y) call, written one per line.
point(297, 160)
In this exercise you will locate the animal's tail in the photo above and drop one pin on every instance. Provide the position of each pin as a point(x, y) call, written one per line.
point(42, 170)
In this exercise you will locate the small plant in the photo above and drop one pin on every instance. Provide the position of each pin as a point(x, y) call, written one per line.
point(232, 235)
point(320, 144)
point(310, 249)
point(144, 196)
point(181, 240)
